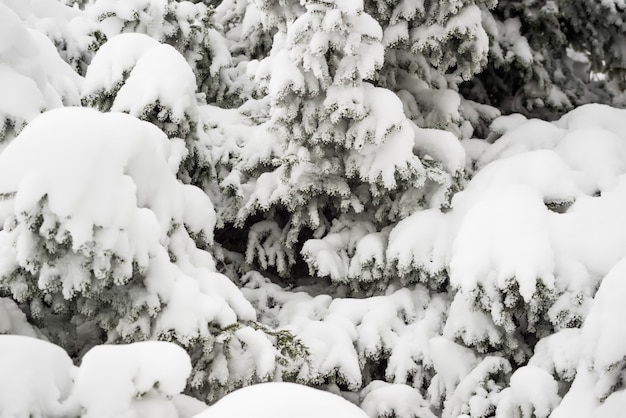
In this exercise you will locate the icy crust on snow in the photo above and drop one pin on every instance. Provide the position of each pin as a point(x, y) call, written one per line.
point(109, 207)
point(33, 77)
point(36, 378)
point(282, 400)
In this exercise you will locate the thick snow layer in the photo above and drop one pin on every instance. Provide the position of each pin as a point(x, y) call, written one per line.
point(442, 146)
point(533, 392)
point(114, 60)
point(559, 353)
point(496, 258)
point(15, 85)
point(597, 390)
point(13, 321)
point(282, 400)
point(162, 76)
point(542, 214)
point(428, 255)
point(110, 168)
point(35, 378)
point(382, 399)
point(112, 191)
point(136, 380)
point(603, 331)
point(33, 77)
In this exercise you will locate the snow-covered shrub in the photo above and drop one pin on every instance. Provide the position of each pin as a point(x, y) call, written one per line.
point(136, 380)
point(282, 400)
point(349, 341)
point(35, 380)
point(382, 399)
point(531, 245)
point(429, 50)
point(533, 392)
point(139, 380)
point(185, 25)
point(135, 74)
point(72, 31)
point(13, 321)
point(598, 388)
point(547, 57)
point(33, 77)
point(464, 383)
point(112, 66)
point(101, 241)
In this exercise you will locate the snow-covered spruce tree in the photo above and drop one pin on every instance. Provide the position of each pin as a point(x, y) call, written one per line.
point(135, 74)
point(430, 48)
point(352, 163)
point(185, 25)
point(598, 388)
point(251, 24)
point(545, 56)
point(100, 242)
point(72, 31)
point(528, 251)
point(364, 346)
point(33, 77)
point(249, 27)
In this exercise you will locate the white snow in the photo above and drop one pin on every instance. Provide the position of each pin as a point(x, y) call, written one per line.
point(113, 59)
point(534, 239)
point(33, 77)
point(282, 400)
point(111, 190)
point(161, 75)
point(387, 399)
point(533, 392)
point(441, 145)
point(35, 378)
point(559, 353)
point(133, 380)
point(429, 254)
point(13, 321)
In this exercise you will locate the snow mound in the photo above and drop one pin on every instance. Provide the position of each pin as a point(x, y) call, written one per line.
point(533, 392)
point(382, 399)
point(162, 76)
point(35, 378)
point(135, 380)
point(33, 77)
point(282, 400)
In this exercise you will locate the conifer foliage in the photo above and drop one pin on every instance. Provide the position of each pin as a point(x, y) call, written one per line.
point(197, 196)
